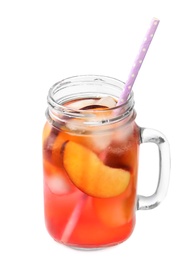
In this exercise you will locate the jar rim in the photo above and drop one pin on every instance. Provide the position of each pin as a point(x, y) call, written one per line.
point(56, 100)
point(85, 78)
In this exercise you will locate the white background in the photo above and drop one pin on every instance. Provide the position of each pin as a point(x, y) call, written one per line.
point(42, 42)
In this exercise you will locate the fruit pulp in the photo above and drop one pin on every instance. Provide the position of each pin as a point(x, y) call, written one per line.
point(90, 184)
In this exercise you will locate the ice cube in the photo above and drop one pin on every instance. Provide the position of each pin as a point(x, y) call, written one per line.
point(58, 185)
point(124, 133)
point(100, 142)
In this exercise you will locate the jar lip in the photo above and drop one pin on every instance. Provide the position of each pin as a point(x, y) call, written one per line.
point(88, 78)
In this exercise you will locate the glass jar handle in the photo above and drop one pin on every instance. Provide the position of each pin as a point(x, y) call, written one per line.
point(154, 136)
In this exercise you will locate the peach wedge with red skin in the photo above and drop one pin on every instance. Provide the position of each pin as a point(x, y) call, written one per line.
point(90, 175)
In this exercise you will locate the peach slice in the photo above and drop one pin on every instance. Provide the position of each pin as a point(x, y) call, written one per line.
point(106, 101)
point(79, 104)
point(89, 174)
point(56, 179)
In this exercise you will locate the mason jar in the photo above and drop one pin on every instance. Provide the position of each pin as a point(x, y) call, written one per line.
point(90, 163)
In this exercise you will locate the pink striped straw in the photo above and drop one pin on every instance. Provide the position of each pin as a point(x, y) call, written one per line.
point(138, 61)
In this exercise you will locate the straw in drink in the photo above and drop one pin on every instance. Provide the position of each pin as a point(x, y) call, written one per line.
point(98, 193)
